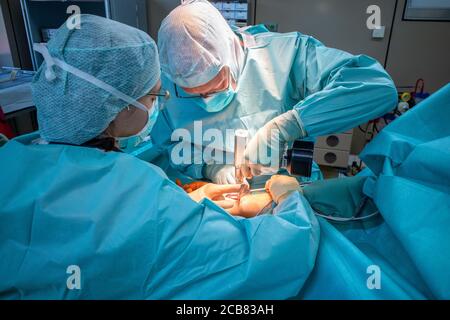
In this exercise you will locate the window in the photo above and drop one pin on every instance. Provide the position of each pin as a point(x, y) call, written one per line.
point(432, 10)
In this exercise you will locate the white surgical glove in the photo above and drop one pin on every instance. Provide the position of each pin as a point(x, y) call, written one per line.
point(220, 173)
point(216, 193)
point(265, 149)
point(280, 187)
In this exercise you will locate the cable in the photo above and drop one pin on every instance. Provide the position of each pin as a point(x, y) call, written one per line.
point(376, 127)
point(351, 219)
point(390, 33)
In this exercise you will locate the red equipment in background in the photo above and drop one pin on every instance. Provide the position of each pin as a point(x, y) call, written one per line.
point(5, 128)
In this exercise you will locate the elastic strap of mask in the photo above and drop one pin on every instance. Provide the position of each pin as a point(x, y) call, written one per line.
point(50, 76)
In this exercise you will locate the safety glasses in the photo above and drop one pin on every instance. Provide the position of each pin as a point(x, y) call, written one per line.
point(179, 96)
point(162, 93)
point(203, 96)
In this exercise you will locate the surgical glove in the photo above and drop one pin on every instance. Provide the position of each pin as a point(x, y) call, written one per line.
point(216, 193)
point(280, 187)
point(220, 173)
point(266, 148)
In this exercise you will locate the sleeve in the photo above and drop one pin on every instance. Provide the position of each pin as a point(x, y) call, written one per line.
point(338, 91)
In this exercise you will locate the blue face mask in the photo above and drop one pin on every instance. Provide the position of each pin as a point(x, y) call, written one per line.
point(217, 101)
point(131, 142)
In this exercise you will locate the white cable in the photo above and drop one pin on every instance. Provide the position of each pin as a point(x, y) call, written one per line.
point(50, 75)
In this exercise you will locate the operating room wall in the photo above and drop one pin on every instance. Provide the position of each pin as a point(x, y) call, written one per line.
point(157, 11)
point(419, 49)
point(337, 23)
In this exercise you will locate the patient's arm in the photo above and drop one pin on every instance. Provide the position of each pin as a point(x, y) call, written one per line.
point(251, 205)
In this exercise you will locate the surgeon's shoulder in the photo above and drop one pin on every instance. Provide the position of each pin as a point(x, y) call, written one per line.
point(298, 38)
point(136, 164)
point(21, 152)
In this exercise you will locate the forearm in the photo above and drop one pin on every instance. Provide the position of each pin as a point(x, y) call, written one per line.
point(339, 91)
point(251, 205)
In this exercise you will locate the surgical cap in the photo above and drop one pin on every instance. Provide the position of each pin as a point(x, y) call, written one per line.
point(73, 110)
point(195, 43)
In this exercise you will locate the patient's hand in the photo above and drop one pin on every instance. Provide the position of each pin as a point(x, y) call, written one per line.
point(216, 193)
point(250, 205)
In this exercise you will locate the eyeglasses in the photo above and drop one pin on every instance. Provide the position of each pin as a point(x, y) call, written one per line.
point(202, 95)
point(185, 97)
point(194, 96)
point(162, 93)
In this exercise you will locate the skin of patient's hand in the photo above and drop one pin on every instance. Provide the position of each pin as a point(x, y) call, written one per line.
point(250, 205)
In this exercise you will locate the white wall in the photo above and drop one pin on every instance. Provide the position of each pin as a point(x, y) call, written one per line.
point(419, 49)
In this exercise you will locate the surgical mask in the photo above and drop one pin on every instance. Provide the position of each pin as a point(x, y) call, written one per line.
point(131, 142)
point(217, 101)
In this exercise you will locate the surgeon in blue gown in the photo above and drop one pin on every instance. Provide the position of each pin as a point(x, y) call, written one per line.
point(81, 219)
point(259, 81)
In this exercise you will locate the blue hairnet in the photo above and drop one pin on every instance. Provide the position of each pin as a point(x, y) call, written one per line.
point(72, 110)
point(195, 43)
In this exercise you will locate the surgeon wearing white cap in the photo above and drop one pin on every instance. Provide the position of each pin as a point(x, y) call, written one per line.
point(284, 83)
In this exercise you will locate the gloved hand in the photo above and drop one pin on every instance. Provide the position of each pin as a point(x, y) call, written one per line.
point(266, 148)
point(216, 193)
point(220, 173)
point(280, 187)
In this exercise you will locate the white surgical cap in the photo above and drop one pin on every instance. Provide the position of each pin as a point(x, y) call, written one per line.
point(195, 43)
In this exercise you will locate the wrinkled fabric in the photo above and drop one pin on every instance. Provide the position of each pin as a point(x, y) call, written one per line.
point(408, 180)
point(136, 235)
point(330, 90)
point(71, 109)
point(195, 43)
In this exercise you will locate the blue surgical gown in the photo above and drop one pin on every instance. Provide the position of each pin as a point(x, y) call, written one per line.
point(410, 241)
point(136, 235)
point(332, 91)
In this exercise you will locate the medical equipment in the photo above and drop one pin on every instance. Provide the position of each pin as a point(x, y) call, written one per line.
point(5, 128)
point(355, 217)
point(257, 190)
point(240, 142)
point(272, 139)
point(48, 34)
point(243, 191)
point(236, 12)
point(15, 89)
point(299, 159)
point(419, 93)
point(13, 73)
